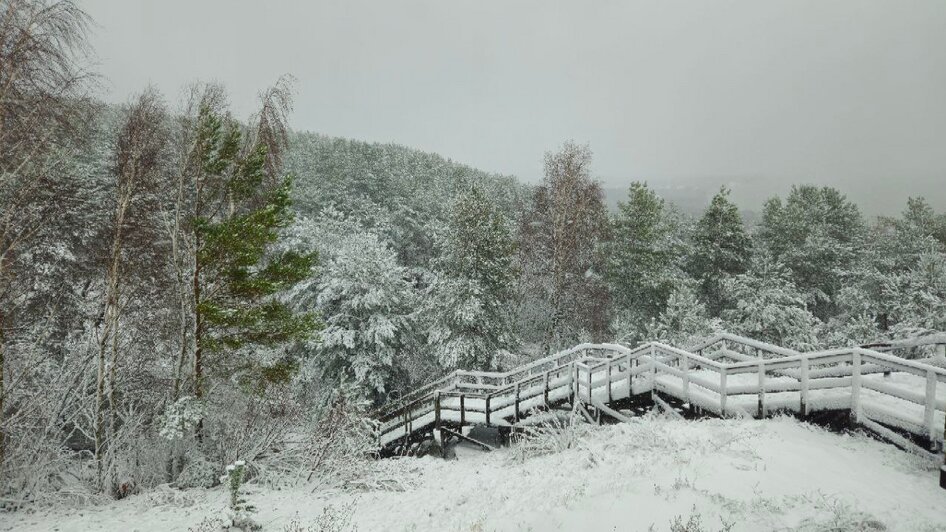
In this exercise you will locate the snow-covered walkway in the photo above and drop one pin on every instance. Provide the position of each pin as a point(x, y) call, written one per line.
point(727, 375)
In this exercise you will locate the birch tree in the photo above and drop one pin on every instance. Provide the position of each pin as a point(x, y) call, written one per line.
point(42, 44)
point(138, 159)
point(559, 250)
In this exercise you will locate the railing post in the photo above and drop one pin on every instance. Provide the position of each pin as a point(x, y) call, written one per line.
point(517, 403)
point(685, 368)
point(589, 385)
point(437, 409)
point(761, 388)
point(488, 397)
point(630, 376)
point(856, 386)
point(803, 407)
point(722, 392)
point(929, 413)
point(410, 419)
point(545, 388)
point(653, 372)
point(574, 383)
point(609, 381)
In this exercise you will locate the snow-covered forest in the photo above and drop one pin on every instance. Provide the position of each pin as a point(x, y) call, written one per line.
point(183, 289)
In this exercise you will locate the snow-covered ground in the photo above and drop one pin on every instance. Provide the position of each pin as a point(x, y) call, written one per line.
point(776, 474)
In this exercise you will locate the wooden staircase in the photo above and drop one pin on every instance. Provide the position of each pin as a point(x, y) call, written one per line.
point(727, 375)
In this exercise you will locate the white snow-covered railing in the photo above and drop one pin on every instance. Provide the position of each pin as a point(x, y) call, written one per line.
point(876, 387)
point(485, 382)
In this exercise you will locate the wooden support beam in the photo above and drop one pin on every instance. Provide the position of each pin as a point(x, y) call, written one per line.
point(612, 412)
point(460, 435)
point(666, 407)
point(584, 412)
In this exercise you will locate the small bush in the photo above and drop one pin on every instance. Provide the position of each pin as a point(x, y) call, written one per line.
point(333, 519)
point(695, 524)
point(240, 509)
point(197, 473)
point(557, 434)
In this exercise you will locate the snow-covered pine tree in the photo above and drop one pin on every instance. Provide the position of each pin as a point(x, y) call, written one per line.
point(721, 249)
point(684, 320)
point(769, 307)
point(641, 257)
point(920, 222)
point(918, 297)
point(471, 303)
point(817, 233)
point(368, 305)
point(877, 299)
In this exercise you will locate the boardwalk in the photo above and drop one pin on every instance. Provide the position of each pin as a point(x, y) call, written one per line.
point(901, 400)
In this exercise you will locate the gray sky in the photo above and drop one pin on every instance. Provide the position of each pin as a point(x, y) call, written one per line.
point(755, 94)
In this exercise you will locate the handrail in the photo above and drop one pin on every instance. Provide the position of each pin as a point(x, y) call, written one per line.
point(765, 346)
point(454, 375)
point(654, 358)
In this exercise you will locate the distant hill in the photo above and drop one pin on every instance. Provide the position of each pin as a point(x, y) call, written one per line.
point(345, 172)
point(401, 193)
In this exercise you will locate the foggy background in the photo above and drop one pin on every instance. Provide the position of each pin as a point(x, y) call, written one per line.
point(686, 95)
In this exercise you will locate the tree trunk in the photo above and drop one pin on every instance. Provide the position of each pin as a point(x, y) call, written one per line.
point(2, 393)
point(198, 346)
point(108, 341)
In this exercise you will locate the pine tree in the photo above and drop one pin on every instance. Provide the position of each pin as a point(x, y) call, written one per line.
point(875, 290)
point(769, 307)
point(641, 257)
point(918, 297)
point(235, 217)
point(369, 307)
point(684, 320)
point(818, 234)
point(921, 222)
point(721, 249)
point(472, 301)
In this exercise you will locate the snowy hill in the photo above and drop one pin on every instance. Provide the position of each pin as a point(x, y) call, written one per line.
point(776, 474)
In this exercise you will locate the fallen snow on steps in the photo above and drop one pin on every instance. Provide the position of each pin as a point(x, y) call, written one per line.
point(776, 474)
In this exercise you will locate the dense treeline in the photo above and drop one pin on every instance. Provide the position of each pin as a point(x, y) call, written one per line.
point(180, 288)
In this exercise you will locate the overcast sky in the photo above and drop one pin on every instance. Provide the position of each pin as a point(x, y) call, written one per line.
point(755, 94)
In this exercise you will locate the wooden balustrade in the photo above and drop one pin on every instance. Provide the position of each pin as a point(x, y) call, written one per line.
point(592, 373)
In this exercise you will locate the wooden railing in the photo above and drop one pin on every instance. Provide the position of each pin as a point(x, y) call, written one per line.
point(726, 375)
